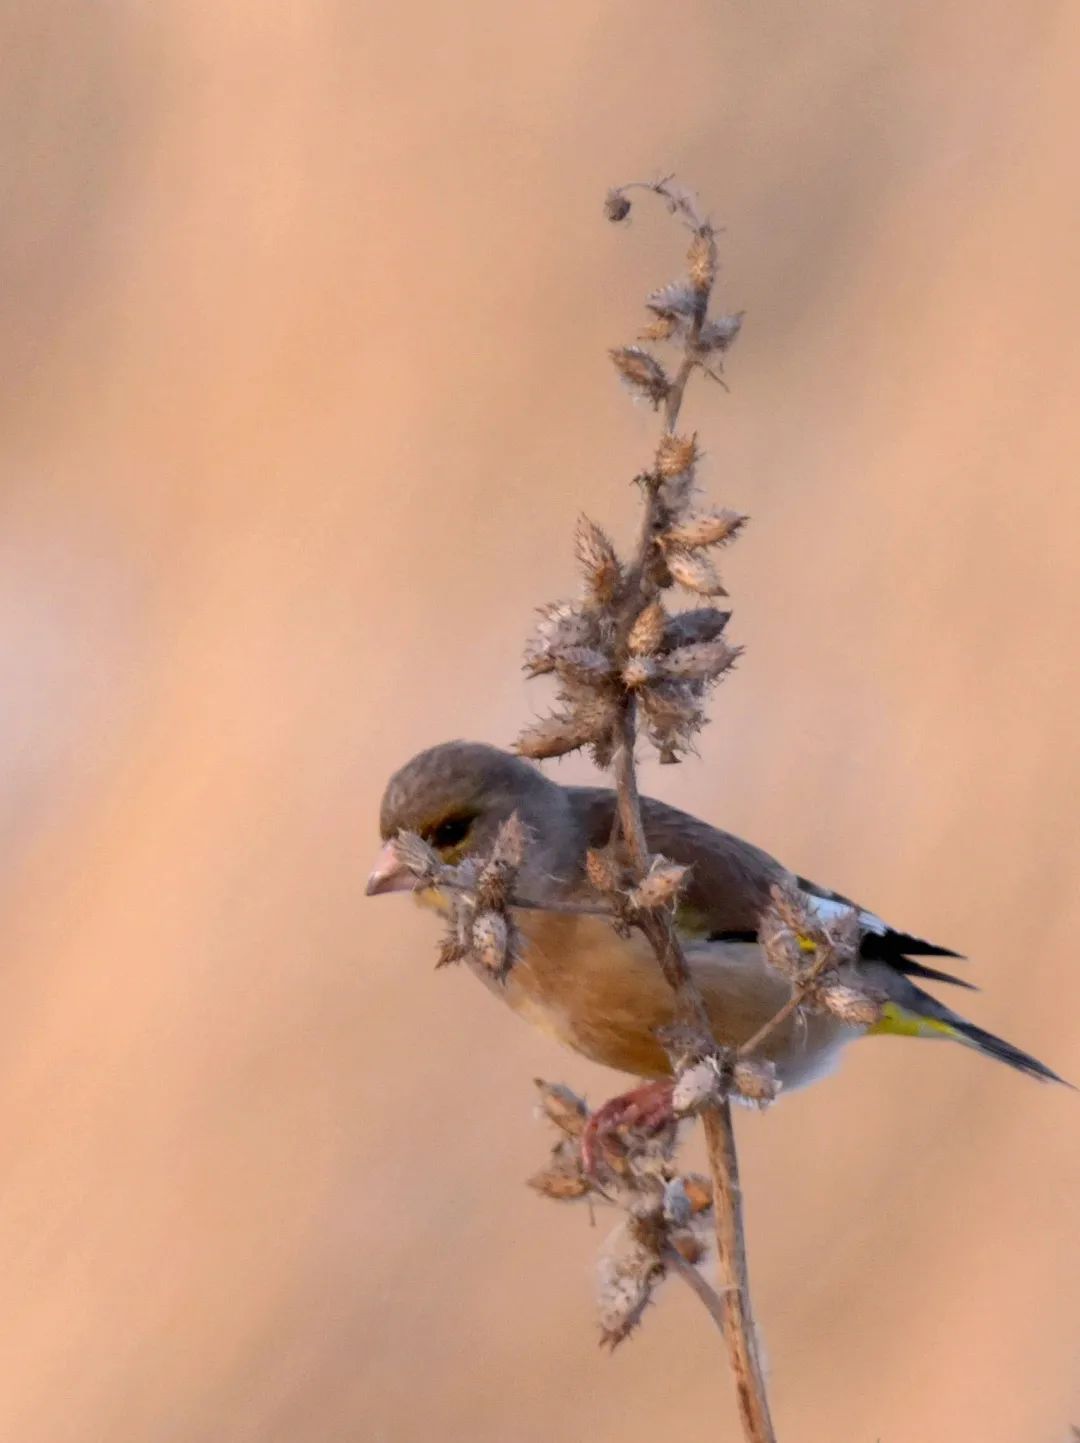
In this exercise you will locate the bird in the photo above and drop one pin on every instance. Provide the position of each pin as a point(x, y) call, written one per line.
point(598, 989)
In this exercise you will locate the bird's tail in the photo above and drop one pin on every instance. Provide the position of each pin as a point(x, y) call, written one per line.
point(923, 1016)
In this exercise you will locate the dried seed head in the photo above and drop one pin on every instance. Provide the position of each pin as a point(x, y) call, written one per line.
point(629, 1271)
point(639, 671)
point(661, 328)
point(702, 660)
point(603, 871)
point(647, 633)
point(556, 735)
point(598, 560)
point(853, 1005)
point(583, 665)
point(560, 1180)
point(677, 301)
point(690, 627)
point(642, 373)
point(562, 624)
point(616, 206)
point(491, 942)
point(676, 454)
point(755, 1080)
point(451, 951)
point(562, 1107)
point(709, 528)
point(660, 885)
point(695, 1087)
point(673, 715)
point(718, 334)
point(694, 572)
point(701, 259)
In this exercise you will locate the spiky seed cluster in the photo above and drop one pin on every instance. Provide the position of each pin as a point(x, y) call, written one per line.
point(480, 927)
point(664, 1211)
point(817, 957)
point(617, 647)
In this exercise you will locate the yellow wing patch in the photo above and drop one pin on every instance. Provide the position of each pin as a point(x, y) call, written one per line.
point(897, 1021)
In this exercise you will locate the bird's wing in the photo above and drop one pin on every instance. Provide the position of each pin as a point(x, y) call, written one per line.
point(730, 882)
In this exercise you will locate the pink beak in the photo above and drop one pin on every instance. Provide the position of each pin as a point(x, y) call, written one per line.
point(388, 874)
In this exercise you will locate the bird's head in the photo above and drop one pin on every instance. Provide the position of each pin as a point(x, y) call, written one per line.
point(457, 796)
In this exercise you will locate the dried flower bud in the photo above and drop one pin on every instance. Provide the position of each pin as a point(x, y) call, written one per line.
point(710, 528)
point(689, 627)
point(661, 328)
point(642, 372)
point(491, 941)
point(660, 886)
point(850, 1004)
point(616, 206)
point(754, 1079)
point(695, 573)
point(562, 624)
point(628, 1273)
point(702, 660)
point(720, 333)
point(560, 1180)
point(673, 713)
point(639, 671)
point(603, 871)
point(584, 665)
point(556, 735)
point(677, 301)
point(647, 633)
point(597, 559)
point(451, 951)
point(676, 454)
point(562, 1107)
point(701, 260)
point(695, 1087)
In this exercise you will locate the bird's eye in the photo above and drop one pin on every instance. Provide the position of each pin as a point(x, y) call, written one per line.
point(451, 832)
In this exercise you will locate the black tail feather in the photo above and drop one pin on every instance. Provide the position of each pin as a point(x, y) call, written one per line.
point(992, 1046)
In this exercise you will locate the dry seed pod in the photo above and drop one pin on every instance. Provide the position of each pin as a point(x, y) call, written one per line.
point(642, 372)
point(639, 671)
point(554, 736)
point(709, 528)
point(701, 260)
point(689, 627)
point(597, 558)
point(647, 633)
point(694, 572)
point(603, 871)
point(676, 455)
point(491, 941)
point(755, 1080)
point(562, 1107)
point(661, 885)
point(701, 661)
point(720, 333)
point(677, 301)
point(628, 1273)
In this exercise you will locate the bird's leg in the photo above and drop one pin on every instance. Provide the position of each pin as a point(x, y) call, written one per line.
point(645, 1109)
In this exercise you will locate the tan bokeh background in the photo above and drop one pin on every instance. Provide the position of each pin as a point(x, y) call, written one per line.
point(303, 330)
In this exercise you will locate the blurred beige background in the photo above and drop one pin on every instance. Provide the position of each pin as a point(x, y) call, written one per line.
point(304, 313)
